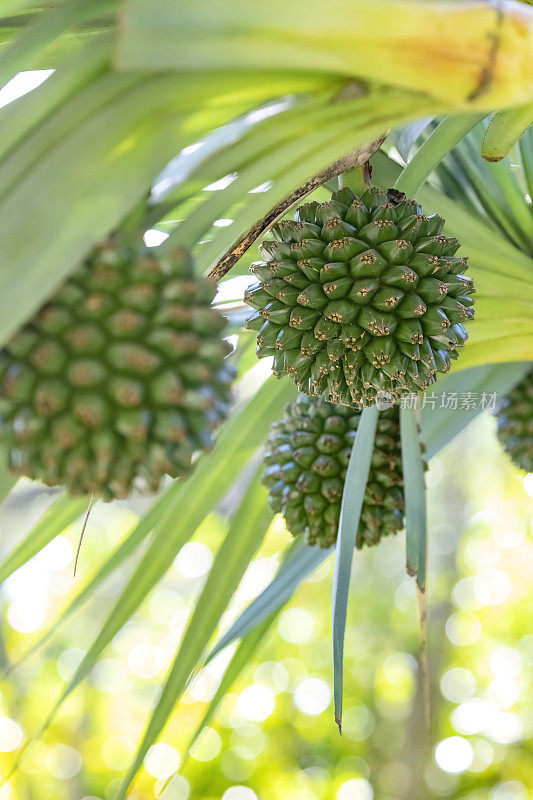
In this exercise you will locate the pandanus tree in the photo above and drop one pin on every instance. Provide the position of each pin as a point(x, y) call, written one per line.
point(384, 148)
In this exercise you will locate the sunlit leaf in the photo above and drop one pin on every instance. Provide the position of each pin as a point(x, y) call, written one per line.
point(426, 47)
point(300, 561)
point(191, 502)
point(240, 659)
point(445, 136)
point(45, 29)
point(245, 535)
point(415, 497)
point(446, 410)
point(108, 566)
point(7, 478)
point(127, 128)
point(62, 513)
point(352, 503)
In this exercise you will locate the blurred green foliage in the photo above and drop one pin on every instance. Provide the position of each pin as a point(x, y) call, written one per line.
point(274, 734)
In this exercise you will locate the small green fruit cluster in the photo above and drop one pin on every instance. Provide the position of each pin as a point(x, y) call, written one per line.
point(515, 423)
point(306, 460)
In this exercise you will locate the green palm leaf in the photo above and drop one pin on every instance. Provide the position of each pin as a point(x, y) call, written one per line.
point(244, 652)
point(299, 562)
point(191, 502)
point(7, 478)
point(377, 41)
point(445, 415)
point(63, 512)
point(111, 563)
point(47, 27)
point(30, 111)
point(415, 498)
point(245, 535)
point(352, 503)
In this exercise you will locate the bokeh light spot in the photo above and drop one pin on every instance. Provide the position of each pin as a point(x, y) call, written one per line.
point(483, 755)
point(398, 668)
point(273, 674)
point(256, 702)
point(146, 660)
point(505, 728)
point(207, 746)
point(357, 723)
point(162, 760)
point(56, 555)
point(355, 789)
point(236, 768)
point(110, 675)
point(239, 793)
point(503, 692)
point(27, 614)
point(473, 716)
point(458, 684)
point(463, 629)
point(203, 686)
point(10, 734)
point(296, 625)
point(194, 560)
point(64, 762)
point(312, 696)
point(251, 740)
point(177, 789)
point(454, 754)
point(68, 661)
point(505, 662)
point(492, 586)
point(163, 604)
point(463, 595)
point(510, 790)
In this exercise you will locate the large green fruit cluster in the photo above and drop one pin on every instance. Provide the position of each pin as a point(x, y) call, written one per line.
point(306, 459)
point(515, 423)
point(360, 295)
point(119, 378)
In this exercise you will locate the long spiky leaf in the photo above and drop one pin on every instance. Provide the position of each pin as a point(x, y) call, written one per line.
point(191, 502)
point(352, 503)
point(245, 535)
point(299, 561)
point(63, 512)
point(415, 496)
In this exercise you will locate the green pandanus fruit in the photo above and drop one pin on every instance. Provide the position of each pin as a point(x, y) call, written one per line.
point(360, 295)
point(515, 423)
point(119, 378)
point(306, 458)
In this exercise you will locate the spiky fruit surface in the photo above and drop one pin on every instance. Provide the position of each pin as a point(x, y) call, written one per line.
point(515, 423)
point(306, 459)
point(360, 295)
point(119, 378)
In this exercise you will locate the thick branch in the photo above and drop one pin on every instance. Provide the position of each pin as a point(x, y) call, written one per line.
point(354, 159)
